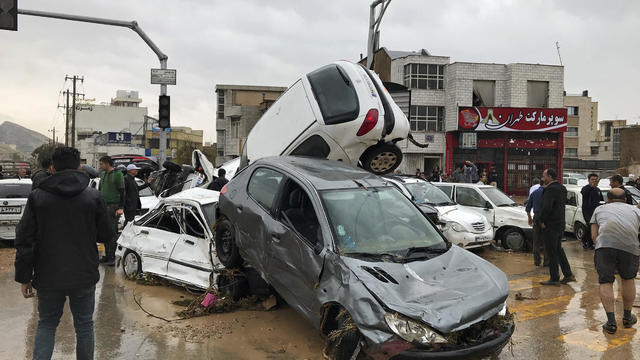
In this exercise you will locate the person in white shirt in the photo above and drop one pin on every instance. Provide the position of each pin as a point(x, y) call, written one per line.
point(536, 185)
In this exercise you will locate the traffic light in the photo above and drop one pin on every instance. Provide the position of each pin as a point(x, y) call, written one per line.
point(164, 111)
point(9, 15)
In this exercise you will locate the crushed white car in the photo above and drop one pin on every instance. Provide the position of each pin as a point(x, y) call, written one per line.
point(174, 240)
point(13, 198)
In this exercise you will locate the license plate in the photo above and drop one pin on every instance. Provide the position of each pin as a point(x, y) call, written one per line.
point(481, 238)
point(10, 209)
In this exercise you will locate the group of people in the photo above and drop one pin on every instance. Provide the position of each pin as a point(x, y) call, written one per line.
point(612, 232)
point(466, 172)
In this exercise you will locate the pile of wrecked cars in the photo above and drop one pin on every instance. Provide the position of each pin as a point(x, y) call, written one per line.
point(306, 216)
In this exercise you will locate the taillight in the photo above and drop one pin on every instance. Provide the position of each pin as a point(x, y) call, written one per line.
point(223, 190)
point(369, 122)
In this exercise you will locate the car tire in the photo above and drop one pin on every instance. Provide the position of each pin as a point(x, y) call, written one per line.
point(226, 248)
point(381, 159)
point(347, 345)
point(513, 239)
point(580, 230)
point(131, 264)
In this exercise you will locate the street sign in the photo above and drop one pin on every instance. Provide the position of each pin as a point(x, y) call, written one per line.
point(163, 76)
point(119, 138)
point(9, 15)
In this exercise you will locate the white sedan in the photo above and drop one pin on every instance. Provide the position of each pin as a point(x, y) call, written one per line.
point(174, 240)
point(13, 198)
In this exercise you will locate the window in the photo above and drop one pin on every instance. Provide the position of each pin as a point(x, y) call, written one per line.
point(220, 104)
point(426, 118)
point(335, 94)
point(572, 131)
point(607, 130)
point(538, 94)
point(469, 197)
point(571, 198)
point(314, 146)
point(468, 140)
point(235, 129)
point(192, 223)
point(571, 152)
point(298, 213)
point(484, 92)
point(263, 186)
point(446, 189)
point(595, 150)
point(221, 142)
point(15, 191)
point(606, 148)
point(424, 76)
point(572, 110)
point(165, 220)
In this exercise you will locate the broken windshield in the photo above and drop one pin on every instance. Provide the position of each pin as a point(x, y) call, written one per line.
point(378, 221)
point(426, 193)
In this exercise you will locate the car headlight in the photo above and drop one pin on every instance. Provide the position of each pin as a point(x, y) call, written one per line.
point(455, 226)
point(503, 311)
point(413, 331)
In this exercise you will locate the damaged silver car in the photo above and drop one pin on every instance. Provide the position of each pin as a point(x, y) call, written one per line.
point(361, 262)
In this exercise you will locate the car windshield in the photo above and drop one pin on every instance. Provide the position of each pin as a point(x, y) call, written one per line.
point(425, 193)
point(15, 191)
point(146, 192)
point(379, 221)
point(498, 197)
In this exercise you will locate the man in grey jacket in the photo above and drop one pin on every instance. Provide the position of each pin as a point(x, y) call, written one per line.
point(467, 173)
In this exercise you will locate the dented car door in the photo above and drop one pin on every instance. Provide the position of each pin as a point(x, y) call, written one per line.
point(155, 240)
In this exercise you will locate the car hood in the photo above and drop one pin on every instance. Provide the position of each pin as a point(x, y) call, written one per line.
point(462, 216)
point(449, 292)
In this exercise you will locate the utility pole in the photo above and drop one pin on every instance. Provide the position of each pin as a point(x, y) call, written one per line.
point(374, 28)
point(66, 119)
point(73, 109)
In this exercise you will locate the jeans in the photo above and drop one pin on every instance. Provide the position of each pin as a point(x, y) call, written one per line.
point(50, 306)
point(110, 246)
point(555, 254)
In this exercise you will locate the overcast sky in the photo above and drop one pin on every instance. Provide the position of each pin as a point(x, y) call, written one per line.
point(257, 42)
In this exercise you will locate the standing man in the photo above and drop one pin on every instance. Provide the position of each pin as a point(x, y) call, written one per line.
point(56, 252)
point(616, 182)
point(470, 172)
point(552, 223)
point(112, 189)
point(591, 197)
point(614, 229)
point(536, 185)
point(535, 203)
point(46, 169)
point(132, 193)
point(219, 182)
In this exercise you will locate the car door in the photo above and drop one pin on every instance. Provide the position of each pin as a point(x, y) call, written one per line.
point(570, 209)
point(470, 198)
point(254, 212)
point(295, 243)
point(155, 239)
point(190, 260)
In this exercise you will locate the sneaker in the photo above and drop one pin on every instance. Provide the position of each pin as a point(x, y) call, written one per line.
point(550, 282)
point(629, 322)
point(610, 328)
point(568, 279)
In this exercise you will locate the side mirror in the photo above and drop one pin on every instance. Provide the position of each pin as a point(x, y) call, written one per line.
point(487, 205)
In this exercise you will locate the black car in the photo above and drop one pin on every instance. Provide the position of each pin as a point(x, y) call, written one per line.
point(360, 261)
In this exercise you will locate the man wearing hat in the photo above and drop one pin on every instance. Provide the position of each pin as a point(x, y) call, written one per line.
point(132, 195)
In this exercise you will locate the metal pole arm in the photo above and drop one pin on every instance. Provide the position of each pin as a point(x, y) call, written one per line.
point(133, 25)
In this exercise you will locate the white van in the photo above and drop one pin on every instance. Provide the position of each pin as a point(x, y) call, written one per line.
point(341, 112)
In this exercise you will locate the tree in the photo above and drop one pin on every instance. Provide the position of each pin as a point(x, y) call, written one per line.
point(44, 151)
point(183, 153)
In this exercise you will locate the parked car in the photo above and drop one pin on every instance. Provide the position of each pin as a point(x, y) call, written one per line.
point(340, 111)
point(508, 218)
point(174, 178)
point(635, 193)
point(173, 240)
point(571, 178)
point(574, 219)
point(341, 245)
point(13, 198)
point(461, 227)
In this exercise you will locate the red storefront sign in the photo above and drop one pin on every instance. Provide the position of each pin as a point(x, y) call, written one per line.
point(511, 119)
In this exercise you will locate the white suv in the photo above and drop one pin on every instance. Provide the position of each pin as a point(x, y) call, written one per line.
point(13, 198)
point(340, 112)
point(508, 218)
point(460, 226)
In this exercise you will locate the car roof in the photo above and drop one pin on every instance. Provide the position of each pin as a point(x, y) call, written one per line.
point(199, 195)
point(325, 174)
point(15, 181)
point(465, 185)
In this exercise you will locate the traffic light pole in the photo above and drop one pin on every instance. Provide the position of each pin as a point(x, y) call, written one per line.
point(133, 25)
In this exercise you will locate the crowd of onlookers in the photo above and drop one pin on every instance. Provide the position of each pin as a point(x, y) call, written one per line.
point(19, 173)
point(466, 172)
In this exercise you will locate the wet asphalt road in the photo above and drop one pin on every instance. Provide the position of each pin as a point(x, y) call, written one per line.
point(551, 323)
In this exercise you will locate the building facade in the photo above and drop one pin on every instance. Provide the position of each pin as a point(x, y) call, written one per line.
point(582, 126)
point(239, 107)
point(177, 138)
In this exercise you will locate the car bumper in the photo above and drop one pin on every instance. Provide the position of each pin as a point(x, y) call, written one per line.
point(491, 347)
point(469, 240)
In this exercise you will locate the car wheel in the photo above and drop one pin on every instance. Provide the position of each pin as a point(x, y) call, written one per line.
point(131, 265)
point(513, 239)
point(579, 230)
point(226, 248)
point(347, 344)
point(381, 159)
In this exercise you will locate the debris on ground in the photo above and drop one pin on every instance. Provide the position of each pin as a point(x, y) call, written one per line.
point(269, 303)
point(521, 297)
point(150, 280)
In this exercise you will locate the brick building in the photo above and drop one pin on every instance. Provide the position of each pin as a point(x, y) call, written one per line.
point(239, 107)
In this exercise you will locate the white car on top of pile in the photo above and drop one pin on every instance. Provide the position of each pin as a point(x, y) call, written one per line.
point(174, 240)
point(460, 226)
point(13, 199)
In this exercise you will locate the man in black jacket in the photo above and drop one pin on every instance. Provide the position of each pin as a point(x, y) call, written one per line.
point(219, 182)
point(57, 254)
point(552, 222)
point(132, 193)
point(591, 198)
